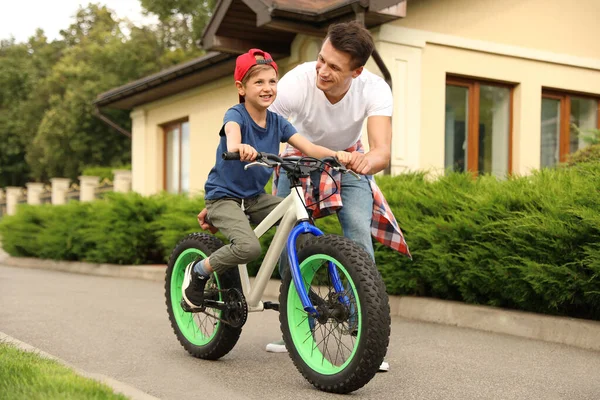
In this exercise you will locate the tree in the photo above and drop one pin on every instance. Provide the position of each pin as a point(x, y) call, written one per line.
point(23, 100)
point(47, 89)
point(183, 21)
point(97, 58)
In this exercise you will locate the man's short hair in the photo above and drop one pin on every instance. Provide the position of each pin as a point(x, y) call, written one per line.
point(352, 38)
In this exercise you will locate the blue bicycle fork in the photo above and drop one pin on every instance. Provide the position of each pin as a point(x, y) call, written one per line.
point(306, 227)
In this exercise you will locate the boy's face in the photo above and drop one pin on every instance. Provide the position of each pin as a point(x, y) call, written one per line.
point(334, 70)
point(260, 90)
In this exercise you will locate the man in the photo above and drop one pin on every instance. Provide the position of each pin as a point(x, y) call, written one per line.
point(328, 101)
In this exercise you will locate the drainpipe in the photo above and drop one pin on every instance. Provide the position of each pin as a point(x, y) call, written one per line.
point(360, 16)
point(111, 123)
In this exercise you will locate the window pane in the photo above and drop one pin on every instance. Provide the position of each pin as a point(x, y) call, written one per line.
point(550, 132)
point(494, 130)
point(172, 160)
point(185, 157)
point(584, 114)
point(457, 103)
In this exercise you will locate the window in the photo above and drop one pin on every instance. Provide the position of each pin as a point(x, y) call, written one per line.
point(562, 114)
point(478, 131)
point(177, 157)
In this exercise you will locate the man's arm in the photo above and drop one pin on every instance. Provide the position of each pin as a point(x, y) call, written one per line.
point(379, 131)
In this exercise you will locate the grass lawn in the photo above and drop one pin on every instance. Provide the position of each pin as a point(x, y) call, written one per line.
point(26, 375)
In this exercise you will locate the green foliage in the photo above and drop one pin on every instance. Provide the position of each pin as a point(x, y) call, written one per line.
point(529, 243)
point(587, 154)
point(178, 219)
point(182, 21)
point(117, 229)
point(103, 172)
point(47, 90)
point(23, 99)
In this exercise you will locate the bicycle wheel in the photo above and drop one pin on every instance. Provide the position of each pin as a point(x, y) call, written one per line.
point(201, 334)
point(341, 350)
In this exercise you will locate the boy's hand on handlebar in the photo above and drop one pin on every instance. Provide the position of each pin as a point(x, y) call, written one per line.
point(343, 157)
point(247, 152)
point(204, 224)
point(359, 163)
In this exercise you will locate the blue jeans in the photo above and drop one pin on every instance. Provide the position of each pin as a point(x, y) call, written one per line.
point(355, 215)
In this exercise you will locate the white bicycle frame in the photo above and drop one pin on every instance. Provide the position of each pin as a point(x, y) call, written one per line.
point(290, 210)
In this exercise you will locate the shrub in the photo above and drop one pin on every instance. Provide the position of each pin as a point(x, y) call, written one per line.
point(587, 154)
point(530, 243)
point(102, 172)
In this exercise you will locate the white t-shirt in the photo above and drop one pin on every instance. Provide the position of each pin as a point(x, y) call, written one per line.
point(335, 126)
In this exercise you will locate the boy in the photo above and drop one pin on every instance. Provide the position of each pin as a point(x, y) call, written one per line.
point(232, 193)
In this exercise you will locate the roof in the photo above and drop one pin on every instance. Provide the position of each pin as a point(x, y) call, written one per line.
point(238, 25)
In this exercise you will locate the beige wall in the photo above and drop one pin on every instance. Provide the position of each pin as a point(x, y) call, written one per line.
point(529, 77)
point(569, 27)
point(205, 108)
point(514, 41)
point(420, 61)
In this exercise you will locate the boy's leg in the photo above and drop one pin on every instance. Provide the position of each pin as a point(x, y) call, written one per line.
point(243, 247)
point(356, 214)
point(259, 207)
point(227, 215)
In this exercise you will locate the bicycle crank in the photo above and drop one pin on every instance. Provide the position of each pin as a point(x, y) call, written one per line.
point(233, 307)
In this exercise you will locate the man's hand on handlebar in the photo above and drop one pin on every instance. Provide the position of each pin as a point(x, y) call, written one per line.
point(343, 157)
point(359, 163)
point(204, 224)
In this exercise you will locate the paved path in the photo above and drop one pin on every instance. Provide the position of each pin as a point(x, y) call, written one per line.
point(119, 328)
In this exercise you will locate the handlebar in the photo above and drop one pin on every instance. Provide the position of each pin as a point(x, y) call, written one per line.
point(288, 163)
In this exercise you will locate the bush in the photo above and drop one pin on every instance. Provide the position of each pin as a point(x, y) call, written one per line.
point(116, 229)
point(530, 243)
point(587, 154)
point(103, 172)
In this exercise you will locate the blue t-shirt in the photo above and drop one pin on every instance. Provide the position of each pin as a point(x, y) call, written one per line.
point(228, 178)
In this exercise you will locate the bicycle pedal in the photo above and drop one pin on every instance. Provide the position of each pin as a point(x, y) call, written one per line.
point(186, 307)
point(270, 305)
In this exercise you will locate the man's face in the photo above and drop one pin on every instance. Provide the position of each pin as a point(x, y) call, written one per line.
point(334, 70)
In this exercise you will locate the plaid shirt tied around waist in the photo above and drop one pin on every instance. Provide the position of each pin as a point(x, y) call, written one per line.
point(384, 227)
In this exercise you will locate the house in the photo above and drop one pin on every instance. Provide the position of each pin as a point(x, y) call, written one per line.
point(486, 86)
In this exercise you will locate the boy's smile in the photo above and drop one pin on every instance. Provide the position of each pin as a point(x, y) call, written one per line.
point(260, 90)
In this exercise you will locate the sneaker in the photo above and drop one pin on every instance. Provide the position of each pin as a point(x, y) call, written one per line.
point(193, 287)
point(384, 367)
point(277, 347)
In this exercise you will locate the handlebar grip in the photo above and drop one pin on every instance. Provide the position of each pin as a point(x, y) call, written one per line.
point(229, 155)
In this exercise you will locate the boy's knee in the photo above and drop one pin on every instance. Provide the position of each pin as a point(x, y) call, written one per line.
point(247, 250)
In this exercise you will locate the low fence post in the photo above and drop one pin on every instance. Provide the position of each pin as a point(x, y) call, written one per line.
point(2, 203)
point(60, 187)
point(13, 194)
point(122, 181)
point(34, 192)
point(87, 189)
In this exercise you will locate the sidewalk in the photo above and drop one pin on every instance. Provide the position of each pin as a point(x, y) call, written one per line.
point(580, 333)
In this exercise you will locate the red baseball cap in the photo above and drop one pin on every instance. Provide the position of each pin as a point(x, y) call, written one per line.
point(248, 60)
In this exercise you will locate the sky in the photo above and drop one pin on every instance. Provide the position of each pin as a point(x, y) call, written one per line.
point(20, 18)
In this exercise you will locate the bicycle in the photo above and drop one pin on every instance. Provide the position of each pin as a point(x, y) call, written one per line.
point(342, 301)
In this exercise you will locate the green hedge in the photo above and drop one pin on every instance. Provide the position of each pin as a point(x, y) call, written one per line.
point(530, 243)
point(103, 172)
